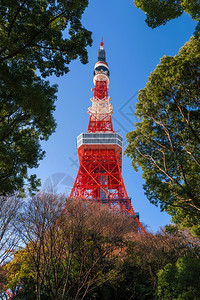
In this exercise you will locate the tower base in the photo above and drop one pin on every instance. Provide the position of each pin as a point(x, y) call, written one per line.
point(99, 179)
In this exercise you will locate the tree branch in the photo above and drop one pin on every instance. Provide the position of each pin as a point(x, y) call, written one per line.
point(33, 37)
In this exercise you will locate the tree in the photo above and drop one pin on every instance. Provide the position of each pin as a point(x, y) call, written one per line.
point(70, 255)
point(180, 280)
point(27, 104)
point(9, 208)
point(89, 252)
point(38, 38)
point(139, 262)
point(159, 12)
point(20, 277)
point(166, 141)
point(152, 252)
point(9, 239)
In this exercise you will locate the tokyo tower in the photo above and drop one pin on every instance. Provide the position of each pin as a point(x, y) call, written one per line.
point(99, 176)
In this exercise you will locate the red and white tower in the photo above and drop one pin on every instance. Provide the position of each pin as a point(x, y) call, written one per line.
point(100, 150)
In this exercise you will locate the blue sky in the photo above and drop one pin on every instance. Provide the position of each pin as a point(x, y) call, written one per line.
point(132, 50)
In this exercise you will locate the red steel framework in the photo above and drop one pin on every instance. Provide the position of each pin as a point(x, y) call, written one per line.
point(97, 122)
point(99, 176)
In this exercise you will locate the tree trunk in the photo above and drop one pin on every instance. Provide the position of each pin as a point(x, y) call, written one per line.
point(38, 287)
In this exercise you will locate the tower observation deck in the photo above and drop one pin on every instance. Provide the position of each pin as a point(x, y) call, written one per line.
point(99, 176)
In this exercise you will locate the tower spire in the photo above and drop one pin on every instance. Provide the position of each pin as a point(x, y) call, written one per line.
point(101, 44)
point(101, 52)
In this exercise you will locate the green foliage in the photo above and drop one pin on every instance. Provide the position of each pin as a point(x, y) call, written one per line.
point(195, 230)
point(180, 281)
point(33, 32)
point(27, 103)
point(38, 38)
point(22, 277)
point(165, 142)
point(133, 281)
point(20, 272)
point(138, 264)
point(159, 12)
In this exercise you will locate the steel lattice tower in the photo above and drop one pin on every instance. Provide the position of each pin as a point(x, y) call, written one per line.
point(100, 150)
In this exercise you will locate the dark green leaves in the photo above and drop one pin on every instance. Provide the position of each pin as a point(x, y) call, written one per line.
point(159, 12)
point(166, 141)
point(180, 280)
point(33, 31)
point(37, 38)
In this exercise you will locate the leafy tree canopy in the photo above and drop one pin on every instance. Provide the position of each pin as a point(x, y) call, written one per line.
point(159, 12)
point(20, 270)
point(38, 38)
point(165, 143)
point(180, 281)
point(32, 31)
